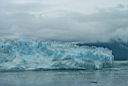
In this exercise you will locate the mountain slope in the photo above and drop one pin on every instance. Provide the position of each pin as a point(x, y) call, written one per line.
point(119, 49)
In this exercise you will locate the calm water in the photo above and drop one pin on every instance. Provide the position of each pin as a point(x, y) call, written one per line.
point(106, 77)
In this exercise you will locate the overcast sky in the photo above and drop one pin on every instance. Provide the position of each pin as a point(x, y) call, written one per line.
point(65, 20)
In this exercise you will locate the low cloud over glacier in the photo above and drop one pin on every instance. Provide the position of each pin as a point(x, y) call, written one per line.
point(64, 20)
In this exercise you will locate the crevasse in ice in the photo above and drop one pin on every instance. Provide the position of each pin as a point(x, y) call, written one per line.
point(34, 54)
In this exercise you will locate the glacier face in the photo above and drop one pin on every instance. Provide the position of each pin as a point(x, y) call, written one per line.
point(34, 54)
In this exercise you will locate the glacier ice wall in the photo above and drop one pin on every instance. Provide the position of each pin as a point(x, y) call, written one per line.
point(33, 54)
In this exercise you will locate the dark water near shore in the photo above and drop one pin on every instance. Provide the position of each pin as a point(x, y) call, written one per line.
point(117, 76)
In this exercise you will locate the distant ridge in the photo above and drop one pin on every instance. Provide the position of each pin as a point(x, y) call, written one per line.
point(119, 49)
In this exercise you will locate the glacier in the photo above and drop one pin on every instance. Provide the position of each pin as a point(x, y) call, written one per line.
point(22, 54)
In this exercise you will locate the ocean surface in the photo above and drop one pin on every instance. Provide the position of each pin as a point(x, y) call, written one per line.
point(116, 76)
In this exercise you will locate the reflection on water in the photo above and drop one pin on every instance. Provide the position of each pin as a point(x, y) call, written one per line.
point(106, 77)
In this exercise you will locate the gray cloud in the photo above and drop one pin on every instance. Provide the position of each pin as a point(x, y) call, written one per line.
point(59, 20)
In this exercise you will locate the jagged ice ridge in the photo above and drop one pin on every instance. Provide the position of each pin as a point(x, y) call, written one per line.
point(24, 54)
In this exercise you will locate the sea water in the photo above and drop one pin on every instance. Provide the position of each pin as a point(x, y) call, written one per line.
point(116, 76)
